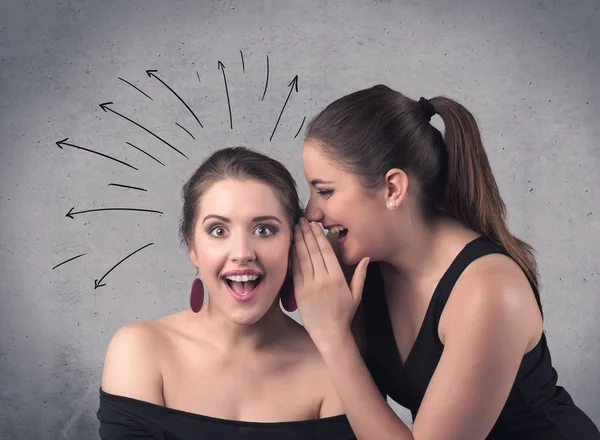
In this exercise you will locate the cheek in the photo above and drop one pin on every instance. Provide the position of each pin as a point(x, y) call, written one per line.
point(342, 209)
point(210, 255)
point(275, 253)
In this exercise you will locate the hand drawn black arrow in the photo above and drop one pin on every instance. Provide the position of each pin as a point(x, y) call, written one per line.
point(62, 142)
point(127, 186)
point(185, 129)
point(294, 85)
point(221, 67)
point(97, 282)
point(137, 88)
point(147, 154)
point(267, 81)
point(70, 259)
point(301, 125)
point(105, 106)
point(151, 73)
point(70, 214)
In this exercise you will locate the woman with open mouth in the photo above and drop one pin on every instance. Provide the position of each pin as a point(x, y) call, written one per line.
point(452, 324)
point(235, 366)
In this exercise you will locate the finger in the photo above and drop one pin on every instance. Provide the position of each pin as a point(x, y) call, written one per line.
point(297, 275)
point(303, 257)
point(330, 259)
point(314, 250)
point(348, 270)
point(358, 280)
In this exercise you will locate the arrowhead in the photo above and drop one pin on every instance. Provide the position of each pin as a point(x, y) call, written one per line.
point(294, 83)
point(220, 65)
point(104, 105)
point(97, 284)
point(59, 143)
point(69, 213)
point(150, 72)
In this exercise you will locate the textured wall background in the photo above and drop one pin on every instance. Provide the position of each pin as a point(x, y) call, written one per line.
point(527, 69)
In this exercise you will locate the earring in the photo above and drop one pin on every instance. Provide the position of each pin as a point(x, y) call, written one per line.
point(197, 294)
point(286, 294)
point(392, 205)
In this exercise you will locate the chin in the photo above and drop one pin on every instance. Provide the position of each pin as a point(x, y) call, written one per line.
point(350, 258)
point(247, 315)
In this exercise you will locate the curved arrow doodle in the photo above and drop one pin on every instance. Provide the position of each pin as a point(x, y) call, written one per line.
point(221, 67)
point(267, 82)
point(138, 89)
point(70, 259)
point(294, 85)
point(301, 125)
point(70, 214)
point(62, 142)
point(147, 154)
point(127, 186)
point(97, 283)
point(105, 106)
point(185, 129)
point(152, 73)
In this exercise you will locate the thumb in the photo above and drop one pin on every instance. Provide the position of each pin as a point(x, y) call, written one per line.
point(358, 279)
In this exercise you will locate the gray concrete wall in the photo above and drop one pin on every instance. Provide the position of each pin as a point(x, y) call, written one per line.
point(528, 69)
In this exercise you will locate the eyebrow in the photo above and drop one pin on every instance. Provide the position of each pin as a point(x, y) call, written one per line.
point(319, 181)
point(261, 218)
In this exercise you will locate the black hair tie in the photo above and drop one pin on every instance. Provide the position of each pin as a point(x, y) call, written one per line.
point(427, 108)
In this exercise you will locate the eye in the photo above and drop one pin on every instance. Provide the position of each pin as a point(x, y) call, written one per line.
point(265, 231)
point(217, 231)
point(324, 192)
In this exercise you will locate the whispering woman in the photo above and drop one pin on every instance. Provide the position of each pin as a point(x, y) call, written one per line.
point(449, 323)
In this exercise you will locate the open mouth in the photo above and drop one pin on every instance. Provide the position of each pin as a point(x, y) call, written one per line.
point(339, 231)
point(243, 284)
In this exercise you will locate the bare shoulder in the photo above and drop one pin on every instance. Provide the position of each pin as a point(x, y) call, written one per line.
point(132, 362)
point(314, 370)
point(494, 291)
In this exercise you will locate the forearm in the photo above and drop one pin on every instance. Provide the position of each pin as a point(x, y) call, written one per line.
point(369, 414)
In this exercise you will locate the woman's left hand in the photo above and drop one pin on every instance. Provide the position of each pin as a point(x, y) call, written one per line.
point(325, 301)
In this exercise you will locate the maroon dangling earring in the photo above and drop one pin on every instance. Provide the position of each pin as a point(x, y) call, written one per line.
point(286, 294)
point(197, 294)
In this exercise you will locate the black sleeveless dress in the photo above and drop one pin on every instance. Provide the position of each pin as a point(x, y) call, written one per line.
point(126, 418)
point(536, 408)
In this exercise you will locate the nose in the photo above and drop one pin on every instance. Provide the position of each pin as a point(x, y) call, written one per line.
point(313, 213)
point(242, 250)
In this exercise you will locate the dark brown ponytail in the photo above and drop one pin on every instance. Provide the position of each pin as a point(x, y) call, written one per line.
point(373, 130)
point(471, 193)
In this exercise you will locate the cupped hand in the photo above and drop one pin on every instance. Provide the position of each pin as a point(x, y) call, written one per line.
point(325, 301)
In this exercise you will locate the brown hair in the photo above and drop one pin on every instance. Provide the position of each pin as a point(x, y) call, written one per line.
point(373, 130)
point(238, 163)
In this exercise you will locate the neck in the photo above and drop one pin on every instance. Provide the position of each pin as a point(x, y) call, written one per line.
point(230, 336)
point(413, 251)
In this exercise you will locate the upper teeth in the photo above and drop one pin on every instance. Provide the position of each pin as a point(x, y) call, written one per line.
point(242, 278)
point(336, 229)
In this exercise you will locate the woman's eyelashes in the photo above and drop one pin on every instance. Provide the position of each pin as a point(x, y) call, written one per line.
point(324, 192)
point(266, 230)
point(217, 231)
point(220, 231)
